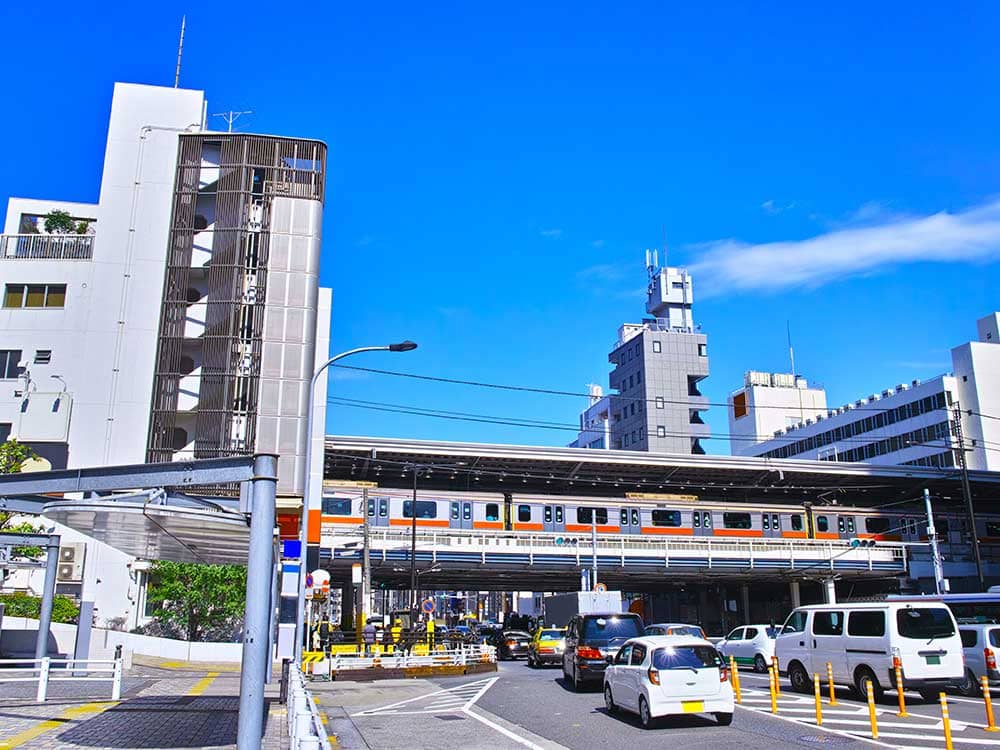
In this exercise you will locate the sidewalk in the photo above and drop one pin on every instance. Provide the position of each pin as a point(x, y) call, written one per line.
point(163, 705)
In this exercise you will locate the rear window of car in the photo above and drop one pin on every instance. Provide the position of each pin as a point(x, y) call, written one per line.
point(924, 622)
point(612, 626)
point(686, 657)
point(969, 638)
point(687, 630)
point(550, 635)
point(995, 637)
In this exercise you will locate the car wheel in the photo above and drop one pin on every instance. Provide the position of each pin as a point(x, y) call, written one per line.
point(577, 684)
point(759, 664)
point(861, 680)
point(798, 678)
point(724, 719)
point(531, 661)
point(645, 718)
point(969, 687)
point(609, 702)
point(929, 695)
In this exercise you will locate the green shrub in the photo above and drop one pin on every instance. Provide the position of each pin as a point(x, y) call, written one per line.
point(24, 605)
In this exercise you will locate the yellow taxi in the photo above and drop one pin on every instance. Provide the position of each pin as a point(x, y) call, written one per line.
point(547, 647)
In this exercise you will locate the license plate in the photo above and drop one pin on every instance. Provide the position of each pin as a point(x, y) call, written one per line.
point(692, 707)
point(933, 659)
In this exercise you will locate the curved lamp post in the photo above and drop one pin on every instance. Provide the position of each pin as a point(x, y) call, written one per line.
point(403, 346)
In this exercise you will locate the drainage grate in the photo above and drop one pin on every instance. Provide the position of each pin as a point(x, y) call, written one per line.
point(825, 739)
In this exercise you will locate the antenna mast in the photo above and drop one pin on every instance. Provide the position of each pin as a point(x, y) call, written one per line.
point(232, 116)
point(180, 51)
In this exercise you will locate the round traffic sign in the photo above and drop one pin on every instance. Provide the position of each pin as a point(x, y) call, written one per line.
point(600, 587)
point(427, 606)
point(309, 580)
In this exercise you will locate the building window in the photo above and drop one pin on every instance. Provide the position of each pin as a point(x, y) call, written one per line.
point(35, 295)
point(656, 347)
point(659, 402)
point(43, 356)
point(638, 377)
point(661, 431)
point(9, 359)
point(702, 350)
point(5, 428)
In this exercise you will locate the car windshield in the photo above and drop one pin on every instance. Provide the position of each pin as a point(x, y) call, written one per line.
point(924, 622)
point(550, 635)
point(599, 630)
point(686, 657)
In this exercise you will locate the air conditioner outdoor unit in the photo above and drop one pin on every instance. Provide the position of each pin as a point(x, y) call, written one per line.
point(70, 568)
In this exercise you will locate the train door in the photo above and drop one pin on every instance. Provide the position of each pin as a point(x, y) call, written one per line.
point(460, 514)
point(629, 520)
point(554, 518)
point(378, 511)
point(701, 521)
point(770, 524)
point(846, 528)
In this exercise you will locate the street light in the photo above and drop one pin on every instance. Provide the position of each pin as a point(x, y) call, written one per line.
point(403, 346)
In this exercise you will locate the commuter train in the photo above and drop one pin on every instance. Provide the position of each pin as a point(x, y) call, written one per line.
point(652, 514)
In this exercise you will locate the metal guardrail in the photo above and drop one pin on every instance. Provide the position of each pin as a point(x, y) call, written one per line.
point(42, 672)
point(446, 657)
point(305, 727)
point(46, 246)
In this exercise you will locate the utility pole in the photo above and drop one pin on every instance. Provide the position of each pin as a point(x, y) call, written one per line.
point(940, 583)
point(593, 547)
point(366, 573)
point(413, 550)
point(956, 428)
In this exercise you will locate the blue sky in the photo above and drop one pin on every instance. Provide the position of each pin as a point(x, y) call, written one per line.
point(496, 171)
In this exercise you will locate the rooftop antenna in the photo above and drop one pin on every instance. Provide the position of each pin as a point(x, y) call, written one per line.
point(180, 51)
point(663, 240)
point(232, 116)
point(795, 378)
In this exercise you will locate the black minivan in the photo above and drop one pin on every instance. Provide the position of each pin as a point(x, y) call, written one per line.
point(592, 641)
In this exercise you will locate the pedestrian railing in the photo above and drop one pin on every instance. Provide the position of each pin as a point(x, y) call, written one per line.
point(46, 670)
point(305, 727)
point(459, 656)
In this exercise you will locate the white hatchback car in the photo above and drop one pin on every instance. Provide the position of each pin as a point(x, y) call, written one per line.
point(750, 645)
point(657, 676)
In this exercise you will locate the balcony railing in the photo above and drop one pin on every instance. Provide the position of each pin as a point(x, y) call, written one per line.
point(46, 246)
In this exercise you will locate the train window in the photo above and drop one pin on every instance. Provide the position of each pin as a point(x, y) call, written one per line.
point(523, 513)
point(336, 506)
point(425, 509)
point(822, 523)
point(592, 515)
point(559, 514)
point(697, 520)
point(667, 517)
point(736, 520)
point(371, 507)
point(602, 515)
point(876, 525)
point(467, 511)
point(492, 512)
point(454, 511)
point(775, 522)
point(635, 517)
point(706, 520)
point(383, 507)
point(796, 523)
point(850, 524)
point(548, 514)
point(767, 522)
point(841, 526)
point(624, 516)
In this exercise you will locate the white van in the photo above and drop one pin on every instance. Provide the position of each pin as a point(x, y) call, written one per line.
point(862, 640)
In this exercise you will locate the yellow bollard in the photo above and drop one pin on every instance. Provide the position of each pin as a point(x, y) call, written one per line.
point(735, 672)
point(899, 690)
point(945, 721)
point(990, 723)
point(871, 711)
point(777, 675)
point(819, 705)
point(774, 694)
point(829, 677)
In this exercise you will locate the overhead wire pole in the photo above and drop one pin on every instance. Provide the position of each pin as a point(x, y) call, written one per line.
point(967, 493)
point(940, 584)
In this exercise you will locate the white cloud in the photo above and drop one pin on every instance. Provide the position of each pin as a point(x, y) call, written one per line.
point(772, 208)
point(733, 265)
point(552, 234)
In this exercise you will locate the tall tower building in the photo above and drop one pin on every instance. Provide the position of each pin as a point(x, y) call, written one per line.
point(658, 365)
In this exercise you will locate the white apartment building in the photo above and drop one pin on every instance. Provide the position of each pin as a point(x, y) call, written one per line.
point(923, 423)
point(179, 319)
point(767, 403)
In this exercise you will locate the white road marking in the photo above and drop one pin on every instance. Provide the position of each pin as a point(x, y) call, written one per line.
point(459, 696)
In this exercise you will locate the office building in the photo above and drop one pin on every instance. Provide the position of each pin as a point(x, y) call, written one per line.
point(767, 403)
point(178, 317)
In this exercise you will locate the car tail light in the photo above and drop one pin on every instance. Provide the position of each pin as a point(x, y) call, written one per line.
point(511, 643)
point(723, 673)
point(654, 676)
point(588, 652)
point(991, 658)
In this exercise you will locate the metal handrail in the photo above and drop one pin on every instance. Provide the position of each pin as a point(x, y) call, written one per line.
point(46, 246)
point(41, 671)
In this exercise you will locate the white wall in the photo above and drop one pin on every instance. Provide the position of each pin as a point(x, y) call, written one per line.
point(40, 207)
point(977, 383)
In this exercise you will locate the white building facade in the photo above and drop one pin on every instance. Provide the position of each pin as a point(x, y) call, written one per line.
point(180, 319)
point(770, 402)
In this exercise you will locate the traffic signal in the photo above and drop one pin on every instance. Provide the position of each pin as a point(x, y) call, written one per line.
point(856, 543)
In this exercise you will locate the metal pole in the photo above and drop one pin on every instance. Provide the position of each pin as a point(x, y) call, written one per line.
point(413, 550)
point(366, 573)
point(48, 593)
point(593, 547)
point(304, 517)
point(939, 583)
point(257, 617)
point(959, 435)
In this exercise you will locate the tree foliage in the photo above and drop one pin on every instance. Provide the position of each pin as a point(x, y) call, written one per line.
point(201, 602)
point(12, 456)
point(20, 604)
point(59, 222)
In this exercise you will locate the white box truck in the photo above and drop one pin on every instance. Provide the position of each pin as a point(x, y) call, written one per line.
point(560, 608)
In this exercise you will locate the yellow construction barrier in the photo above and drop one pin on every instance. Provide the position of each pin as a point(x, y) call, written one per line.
point(899, 689)
point(829, 677)
point(871, 710)
point(777, 675)
point(819, 704)
point(945, 721)
point(774, 692)
point(735, 672)
point(991, 726)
